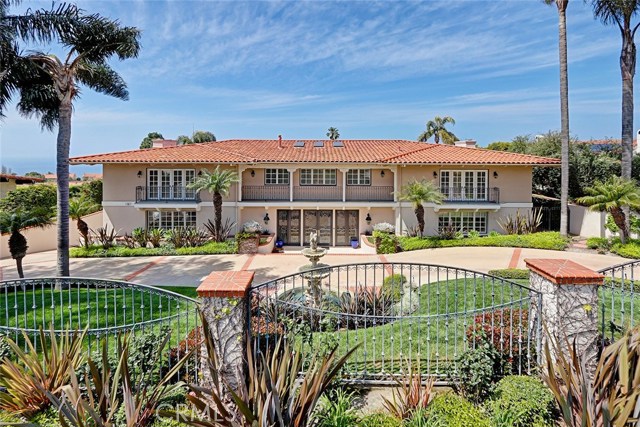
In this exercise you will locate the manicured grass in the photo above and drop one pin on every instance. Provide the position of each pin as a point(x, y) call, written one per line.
point(82, 306)
point(544, 240)
point(211, 248)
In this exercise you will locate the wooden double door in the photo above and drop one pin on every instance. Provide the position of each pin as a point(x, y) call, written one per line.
point(341, 226)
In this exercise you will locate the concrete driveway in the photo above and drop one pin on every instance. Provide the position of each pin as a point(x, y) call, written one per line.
point(189, 270)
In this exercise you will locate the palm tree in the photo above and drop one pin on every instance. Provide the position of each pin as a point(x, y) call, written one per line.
point(564, 112)
point(13, 222)
point(614, 196)
point(77, 209)
point(218, 183)
point(419, 192)
point(620, 12)
point(438, 129)
point(333, 134)
point(94, 41)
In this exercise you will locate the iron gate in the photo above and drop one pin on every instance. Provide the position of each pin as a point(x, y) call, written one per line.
point(397, 313)
point(619, 299)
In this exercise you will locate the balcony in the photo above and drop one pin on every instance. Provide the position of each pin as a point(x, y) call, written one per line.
point(365, 193)
point(166, 193)
point(471, 194)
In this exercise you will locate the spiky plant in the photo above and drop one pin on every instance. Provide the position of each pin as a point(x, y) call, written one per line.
point(218, 182)
point(411, 394)
point(419, 192)
point(274, 393)
point(77, 209)
point(14, 222)
point(614, 196)
point(27, 378)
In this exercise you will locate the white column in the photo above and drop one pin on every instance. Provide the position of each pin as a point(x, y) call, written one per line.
point(240, 170)
point(344, 184)
point(395, 183)
point(291, 171)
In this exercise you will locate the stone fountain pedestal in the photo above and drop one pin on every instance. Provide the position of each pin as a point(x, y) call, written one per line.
point(314, 273)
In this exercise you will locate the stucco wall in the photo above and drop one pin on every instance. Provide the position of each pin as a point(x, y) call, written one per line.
point(5, 187)
point(586, 223)
point(45, 239)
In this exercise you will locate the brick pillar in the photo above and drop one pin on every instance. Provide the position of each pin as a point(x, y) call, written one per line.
point(569, 304)
point(222, 297)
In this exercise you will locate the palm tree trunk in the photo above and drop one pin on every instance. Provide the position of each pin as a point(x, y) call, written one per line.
point(627, 70)
point(436, 138)
point(217, 211)
point(419, 211)
point(564, 115)
point(62, 171)
point(619, 218)
point(83, 228)
point(19, 267)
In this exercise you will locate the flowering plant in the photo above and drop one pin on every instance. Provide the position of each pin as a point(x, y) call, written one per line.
point(384, 227)
point(251, 227)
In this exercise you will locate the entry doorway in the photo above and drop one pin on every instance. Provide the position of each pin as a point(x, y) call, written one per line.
point(334, 227)
point(289, 227)
point(346, 227)
point(320, 221)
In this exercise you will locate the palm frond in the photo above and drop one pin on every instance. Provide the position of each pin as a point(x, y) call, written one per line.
point(102, 78)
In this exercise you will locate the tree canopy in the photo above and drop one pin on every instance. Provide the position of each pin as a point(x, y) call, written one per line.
point(147, 141)
point(29, 197)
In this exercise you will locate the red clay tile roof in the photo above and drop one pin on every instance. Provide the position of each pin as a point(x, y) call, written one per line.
point(354, 151)
point(22, 179)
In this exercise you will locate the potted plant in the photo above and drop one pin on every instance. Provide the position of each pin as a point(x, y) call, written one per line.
point(355, 243)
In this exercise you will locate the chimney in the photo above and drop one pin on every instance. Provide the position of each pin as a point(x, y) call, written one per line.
point(280, 141)
point(163, 143)
point(468, 143)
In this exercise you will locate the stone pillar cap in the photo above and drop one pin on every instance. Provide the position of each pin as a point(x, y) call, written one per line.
point(221, 284)
point(564, 271)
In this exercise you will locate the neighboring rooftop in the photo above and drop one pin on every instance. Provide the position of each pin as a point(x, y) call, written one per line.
point(292, 151)
point(4, 177)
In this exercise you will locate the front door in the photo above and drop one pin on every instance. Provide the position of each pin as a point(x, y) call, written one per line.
point(289, 227)
point(346, 227)
point(320, 221)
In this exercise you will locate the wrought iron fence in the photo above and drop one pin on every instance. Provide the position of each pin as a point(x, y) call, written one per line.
point(397, 313)
point(619, 299)
point(105, 308)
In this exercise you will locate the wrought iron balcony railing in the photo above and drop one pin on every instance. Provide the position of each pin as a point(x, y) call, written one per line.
point(166, 193)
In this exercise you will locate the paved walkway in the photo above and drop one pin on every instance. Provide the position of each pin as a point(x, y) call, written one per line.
point(189, 270)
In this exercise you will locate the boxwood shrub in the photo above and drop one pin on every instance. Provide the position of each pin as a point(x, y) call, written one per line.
point(524, 400)
point(449, 409)
point(543, 240)
point(511, 273)
point(393, 286)
point(211, 248)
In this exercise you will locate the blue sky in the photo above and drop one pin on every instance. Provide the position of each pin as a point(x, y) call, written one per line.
point(373, 70)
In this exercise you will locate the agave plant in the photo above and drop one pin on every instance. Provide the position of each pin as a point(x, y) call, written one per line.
point(79, 408)
point(27, 378)
point(274, 394)
point(412, 393)
point(139, 234)
point(155, 236)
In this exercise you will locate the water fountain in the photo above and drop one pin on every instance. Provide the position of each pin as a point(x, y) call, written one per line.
point(314, 271)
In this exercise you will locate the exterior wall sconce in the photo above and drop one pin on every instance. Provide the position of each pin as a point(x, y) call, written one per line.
point(368, 219)
point(382, 174)
point(139, 174)
point(435, 174)
point(495, 174)
point(200, 173)
point(253, 173)
point(266, 218)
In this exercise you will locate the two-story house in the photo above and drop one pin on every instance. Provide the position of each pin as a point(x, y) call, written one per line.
point(339, 188)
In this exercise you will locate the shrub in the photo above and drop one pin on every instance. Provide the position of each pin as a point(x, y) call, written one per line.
point(386, 243)
point(451, 410)
point(447, 232)
point(511, 273)
point(524, 400)
point(543, 240)
point(379, 419)
point(600, 243)
point(105, 237)
point(140, 236)
point(393, 286)
point(384, 227)
point(41, 196)
point(251, 227)
point(507, 330)
point(5, 348)
point(155, 236)
point(336, 410)
point(631, 249)
point(211, 248)
point(476, 371)
point(473, 233)
point(421, 418)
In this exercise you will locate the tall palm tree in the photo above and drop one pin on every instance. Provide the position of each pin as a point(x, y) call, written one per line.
point(419, 192)
point(614, 196)
point(218, 183)
point(620, 13)
point(92, 43)
point(77, 209)
point(13, 222)
point(438, 129)
point(333, 134)
point(564, 112)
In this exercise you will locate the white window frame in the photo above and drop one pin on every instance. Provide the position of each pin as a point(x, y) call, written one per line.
point(453, 184)
point(358, 177)
point(318, 177)
point(470, 219)
point(174, 190)
point(169, 220)
point(281, 176)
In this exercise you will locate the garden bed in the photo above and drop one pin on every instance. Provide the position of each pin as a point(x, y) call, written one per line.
point(544, 240)
point(211, 248)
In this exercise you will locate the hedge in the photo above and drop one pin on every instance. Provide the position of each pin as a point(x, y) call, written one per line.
point(543, 240)
point(211, 248)
point(511, 273)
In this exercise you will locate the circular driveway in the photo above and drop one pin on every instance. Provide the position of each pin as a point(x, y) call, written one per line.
point(190, 270)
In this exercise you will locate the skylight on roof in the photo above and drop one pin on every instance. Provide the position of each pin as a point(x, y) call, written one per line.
point(318, 144)
point(299, 144)
point(338, 144)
